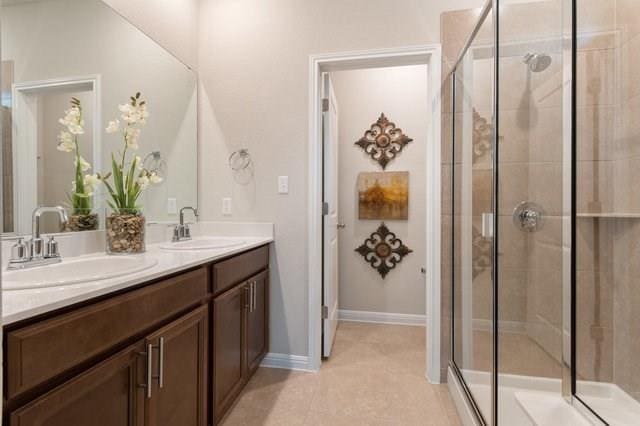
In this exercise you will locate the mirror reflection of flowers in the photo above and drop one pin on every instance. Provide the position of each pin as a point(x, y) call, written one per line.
point(83, 186)
point(128, 177)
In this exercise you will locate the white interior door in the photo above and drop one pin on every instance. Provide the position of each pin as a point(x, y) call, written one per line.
point(330, 211)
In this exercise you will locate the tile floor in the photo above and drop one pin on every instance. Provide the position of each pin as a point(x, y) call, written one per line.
point(375, 376)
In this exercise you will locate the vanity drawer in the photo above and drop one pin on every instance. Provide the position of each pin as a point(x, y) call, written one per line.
point(41, 351)
point(232, 271)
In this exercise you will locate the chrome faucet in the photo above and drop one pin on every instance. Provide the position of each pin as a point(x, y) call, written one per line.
point(182, 232)
point(28, 254)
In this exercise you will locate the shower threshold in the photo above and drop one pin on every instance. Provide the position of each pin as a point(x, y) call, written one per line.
point(525, 400)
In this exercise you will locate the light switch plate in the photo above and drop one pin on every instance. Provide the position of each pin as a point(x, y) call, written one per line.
point(172, 206)
point(226, 206)
point(283, 184)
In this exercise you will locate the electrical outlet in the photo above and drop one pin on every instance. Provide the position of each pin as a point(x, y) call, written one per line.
point(226, 206)
point(172, 206)
point(283, 184)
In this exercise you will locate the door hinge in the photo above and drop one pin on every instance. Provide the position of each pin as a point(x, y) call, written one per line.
point(325, 312)
point(325, 105)
point(325, 209)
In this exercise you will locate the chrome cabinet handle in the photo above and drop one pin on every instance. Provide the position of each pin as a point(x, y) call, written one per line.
point(247, 294)
point(149, 369)
point(255, 295)
point(161, 363)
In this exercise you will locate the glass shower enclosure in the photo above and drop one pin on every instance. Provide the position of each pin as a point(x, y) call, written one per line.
point(545, 215)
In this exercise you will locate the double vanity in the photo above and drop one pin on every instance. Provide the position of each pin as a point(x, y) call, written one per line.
point(168, 337)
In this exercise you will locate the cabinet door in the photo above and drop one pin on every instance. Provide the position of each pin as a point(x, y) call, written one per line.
point(179, 372)
point(108, 394)
point(229, 348)
point(257, 321)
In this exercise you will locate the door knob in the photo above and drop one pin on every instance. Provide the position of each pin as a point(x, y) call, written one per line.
point(341, 225)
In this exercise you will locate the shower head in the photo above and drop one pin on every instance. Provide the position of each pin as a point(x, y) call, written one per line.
point(537, 61)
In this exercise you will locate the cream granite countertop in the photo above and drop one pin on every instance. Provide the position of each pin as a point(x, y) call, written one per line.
point(18, 305)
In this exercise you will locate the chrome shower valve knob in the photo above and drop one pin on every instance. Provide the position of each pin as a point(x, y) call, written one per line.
point(528, 216)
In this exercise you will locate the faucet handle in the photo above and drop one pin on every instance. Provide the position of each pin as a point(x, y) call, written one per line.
point(20, 251)
point(176, 233)
point(51, 249)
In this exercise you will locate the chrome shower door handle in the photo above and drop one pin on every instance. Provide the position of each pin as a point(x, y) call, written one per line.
point(487, 225)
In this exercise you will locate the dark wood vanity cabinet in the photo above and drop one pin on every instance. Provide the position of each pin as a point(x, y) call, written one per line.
point(257, 320)
point(229, 349)
point(240, 334)
point(178, 372)
point(106, 395)
point(173, 352)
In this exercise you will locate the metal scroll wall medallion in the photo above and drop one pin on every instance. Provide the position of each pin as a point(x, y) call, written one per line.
point(383, 141)
point(383, 250)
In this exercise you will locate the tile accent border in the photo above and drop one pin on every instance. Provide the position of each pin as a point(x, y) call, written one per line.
point(382, 317)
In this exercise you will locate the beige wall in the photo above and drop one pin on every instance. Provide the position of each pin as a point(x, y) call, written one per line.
point(402, 94)
point(172, 23)
point(253, 66)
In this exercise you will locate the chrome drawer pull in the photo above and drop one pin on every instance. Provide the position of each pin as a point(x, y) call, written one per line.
point(161, 363)
point(149, 368)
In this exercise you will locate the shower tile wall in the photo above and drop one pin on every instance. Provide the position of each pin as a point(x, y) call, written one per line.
point(595, 192)
point(609, 166)
point(626, 238)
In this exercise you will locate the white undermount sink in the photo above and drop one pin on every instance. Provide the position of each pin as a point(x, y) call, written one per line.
point(75, 271)
point(204, 243)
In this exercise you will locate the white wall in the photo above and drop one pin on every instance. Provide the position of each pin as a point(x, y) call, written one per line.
point(252, 61)
point(402, 94)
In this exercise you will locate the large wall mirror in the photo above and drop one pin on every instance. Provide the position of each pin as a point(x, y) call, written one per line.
point(57, 53)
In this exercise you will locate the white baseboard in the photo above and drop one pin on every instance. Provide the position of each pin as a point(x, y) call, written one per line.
point(382, 317)
point(286, 361)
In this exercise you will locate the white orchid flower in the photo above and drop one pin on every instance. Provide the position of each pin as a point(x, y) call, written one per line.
point(73, 120)
point(154, 178)
point(131, 137)
point(113, 126)
point(134, 114)
point(76, 129)
point(84, 164)
point(90, 182)
point(65, 142)
point(143, 182)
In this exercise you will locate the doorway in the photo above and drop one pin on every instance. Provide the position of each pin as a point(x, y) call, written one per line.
point(371, 297)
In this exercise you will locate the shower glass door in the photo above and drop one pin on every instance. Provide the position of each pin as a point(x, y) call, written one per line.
point(532, 258)
point(472, 218)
